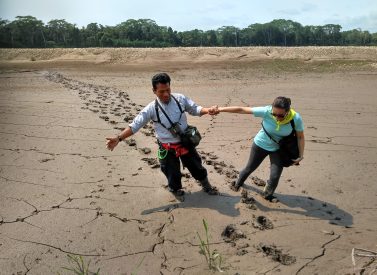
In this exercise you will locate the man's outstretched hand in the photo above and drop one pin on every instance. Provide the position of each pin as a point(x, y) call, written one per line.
point(111, 142)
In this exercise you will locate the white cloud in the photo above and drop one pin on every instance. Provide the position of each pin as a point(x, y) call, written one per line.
point(367, 22)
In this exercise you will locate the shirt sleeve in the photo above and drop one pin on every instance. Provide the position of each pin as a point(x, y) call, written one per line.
point(142, 118)
point(299, 124)
point(259, 111)
point(191, 107)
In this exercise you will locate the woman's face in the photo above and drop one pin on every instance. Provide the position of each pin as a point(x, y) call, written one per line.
point(279, 113)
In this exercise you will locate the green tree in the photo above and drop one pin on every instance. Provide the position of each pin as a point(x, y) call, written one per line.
point(192, 38)
point(62, 33)
point(210, 38)
point(106, 40)
point(228, 36)
point(287, 32)
point(373, 38)
point(332, 34)
point(5, 35)
point(27, 31)
point(142, 30)
point(91, 35)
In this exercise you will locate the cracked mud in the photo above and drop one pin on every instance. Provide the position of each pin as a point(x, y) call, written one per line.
point(62, 192)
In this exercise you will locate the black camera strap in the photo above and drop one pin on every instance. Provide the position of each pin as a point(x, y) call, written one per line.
point(293, 129)
point(157, 106)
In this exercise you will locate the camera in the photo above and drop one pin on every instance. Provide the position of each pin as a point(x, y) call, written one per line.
point(175, 130)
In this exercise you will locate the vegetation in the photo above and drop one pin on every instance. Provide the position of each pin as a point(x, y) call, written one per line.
point(137, 267)
point(213, 258)
point(29, 32)
point(78, 266)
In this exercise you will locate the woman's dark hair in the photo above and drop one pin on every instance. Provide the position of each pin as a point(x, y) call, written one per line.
point(282, 103)
point(163, 78)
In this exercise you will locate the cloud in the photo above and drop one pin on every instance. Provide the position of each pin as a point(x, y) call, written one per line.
point(298, 11)
point(289, 12)
point(308, 7)
point(366, 22)
point(207, 8)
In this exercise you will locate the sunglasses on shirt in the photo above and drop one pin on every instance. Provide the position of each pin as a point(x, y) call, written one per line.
point(279, 115)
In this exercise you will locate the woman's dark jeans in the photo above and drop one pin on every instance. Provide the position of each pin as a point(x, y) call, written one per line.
point(257, 155)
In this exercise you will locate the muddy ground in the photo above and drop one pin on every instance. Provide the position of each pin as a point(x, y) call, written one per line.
point(63, 193)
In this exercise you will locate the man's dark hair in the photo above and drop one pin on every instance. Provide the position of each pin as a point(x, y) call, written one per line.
point(163, 78)
point(282, 103)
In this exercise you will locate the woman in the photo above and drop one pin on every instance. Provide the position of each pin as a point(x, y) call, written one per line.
point(277, 122)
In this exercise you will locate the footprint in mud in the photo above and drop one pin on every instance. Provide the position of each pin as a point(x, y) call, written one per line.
point(152, 162)
point(262, 223)
point(119, 128)
point(231, 233)
point(257, 181)
point(208, 155)
point(242, 251)
point(96, 191)
point(247, 199)
point(131, 142)
point(145, 150)
point(128, 118)
point(276, 254)
point(325, 140)
point(231, 174)
point(45, 160)
point(220, 166)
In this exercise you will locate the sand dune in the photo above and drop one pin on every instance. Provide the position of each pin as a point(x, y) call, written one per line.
point(200, 54)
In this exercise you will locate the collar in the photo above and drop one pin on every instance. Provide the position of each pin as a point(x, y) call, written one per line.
point(286, 120)
point(163, 103)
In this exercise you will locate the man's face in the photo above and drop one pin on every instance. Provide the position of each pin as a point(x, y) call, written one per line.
point(162, 91)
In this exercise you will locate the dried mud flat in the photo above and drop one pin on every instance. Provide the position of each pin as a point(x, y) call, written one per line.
point(62, 192)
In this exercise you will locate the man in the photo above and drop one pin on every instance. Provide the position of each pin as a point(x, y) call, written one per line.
point(169, 120)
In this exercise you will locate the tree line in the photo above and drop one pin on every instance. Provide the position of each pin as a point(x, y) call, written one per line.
point(29, 32)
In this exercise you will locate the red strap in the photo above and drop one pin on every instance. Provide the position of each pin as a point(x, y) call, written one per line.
point(177, 147)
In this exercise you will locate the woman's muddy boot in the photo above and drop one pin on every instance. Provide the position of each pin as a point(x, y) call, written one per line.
point(208, 188)
point(268, 193)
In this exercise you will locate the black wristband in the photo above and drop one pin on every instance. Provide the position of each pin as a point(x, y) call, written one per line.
point(119, 138)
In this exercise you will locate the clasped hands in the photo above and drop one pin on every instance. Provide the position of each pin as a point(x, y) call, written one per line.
point(213, 110)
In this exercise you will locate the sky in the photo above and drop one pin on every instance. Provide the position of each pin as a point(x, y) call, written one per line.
point(198, 14)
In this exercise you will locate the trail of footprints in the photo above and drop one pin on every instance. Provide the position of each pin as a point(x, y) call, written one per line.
point(116, 107)
point(111, 105)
